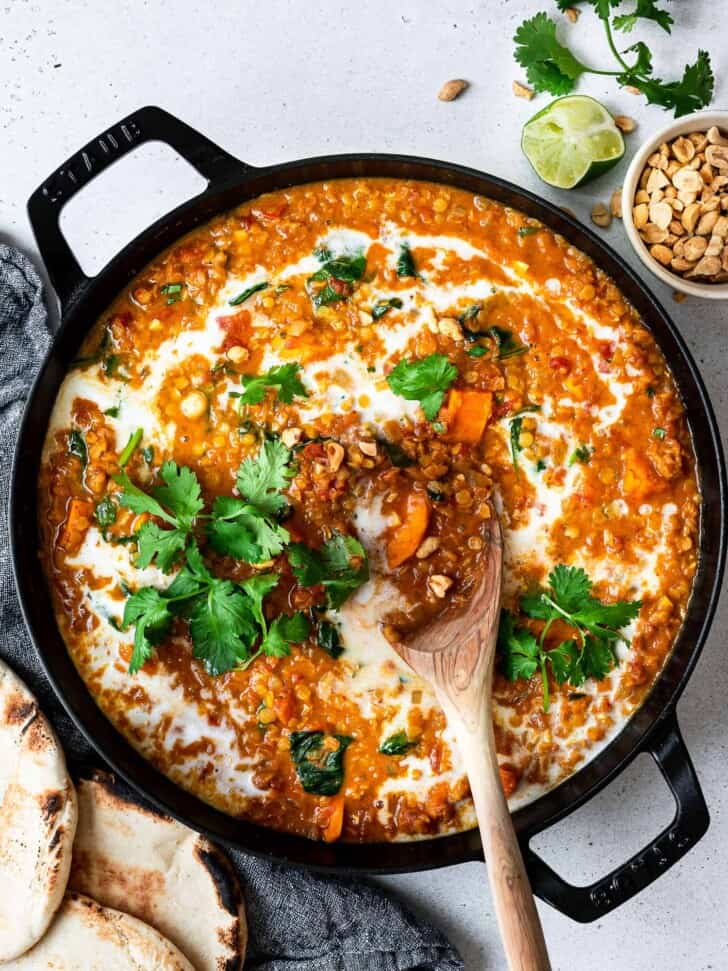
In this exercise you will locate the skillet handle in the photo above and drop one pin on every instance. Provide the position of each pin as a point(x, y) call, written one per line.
point(691, 820)
point(145, 125)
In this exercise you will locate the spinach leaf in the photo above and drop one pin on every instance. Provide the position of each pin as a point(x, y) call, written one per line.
point(320, 770)
point(396, 454)
point(242, 297)
point(77, 446)
point(397, 744)
point(329, 639)
point(381, 307)
point(405, 261)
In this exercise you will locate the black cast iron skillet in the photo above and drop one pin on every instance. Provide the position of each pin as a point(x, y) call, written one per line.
point(652, 729)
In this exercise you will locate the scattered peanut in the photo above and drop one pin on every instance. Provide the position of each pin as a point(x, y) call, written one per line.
point(572, 14)
point(237, 354)
point(452, 89)
point(680, 207)
point(615, 203)
point(439, 584)
point(334, 455)
point(427, 547)
point(368, 448)
point(600, 215)
point(291, 436)
point(522, 91)
point(625, 123)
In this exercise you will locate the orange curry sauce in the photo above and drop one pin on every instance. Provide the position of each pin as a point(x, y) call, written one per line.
point(586, 367)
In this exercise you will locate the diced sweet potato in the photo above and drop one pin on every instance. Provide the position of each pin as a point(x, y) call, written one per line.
point(78, 519)
point(509, 779)
point(467, 415)
point(407, 537)
point(335, 823)
point(638, 477)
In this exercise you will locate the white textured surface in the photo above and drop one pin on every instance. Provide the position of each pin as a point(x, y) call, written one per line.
point(281, 80)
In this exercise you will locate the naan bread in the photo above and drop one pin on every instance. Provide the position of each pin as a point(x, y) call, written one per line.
point(37, 819)
point(88, 937)
point(136, 860)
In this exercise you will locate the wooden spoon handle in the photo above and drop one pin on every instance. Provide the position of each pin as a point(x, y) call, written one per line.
point(515, 908)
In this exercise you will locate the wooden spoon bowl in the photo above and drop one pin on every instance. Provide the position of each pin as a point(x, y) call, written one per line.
point(457, 655)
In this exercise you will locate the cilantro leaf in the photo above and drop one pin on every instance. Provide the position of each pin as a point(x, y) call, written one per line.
point(550, 66)
point(284, 378)
point(570, 586)
point(519, 649)
point(425, 380)
point(77, 446)
point(162, 545)
point(648, 10)
point(598, 625)
point(284, 631)
point(181, 493)
point(149, 611)
point(239, 529)
point(222, 627)
point(261, 480)
point(340, 566)
point(692, 92)
point(329, 639)
point(257, 588)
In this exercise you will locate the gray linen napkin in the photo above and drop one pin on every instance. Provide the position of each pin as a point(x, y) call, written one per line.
point(297, 921)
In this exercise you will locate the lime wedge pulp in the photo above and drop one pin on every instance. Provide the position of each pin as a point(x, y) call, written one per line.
point(572, 140)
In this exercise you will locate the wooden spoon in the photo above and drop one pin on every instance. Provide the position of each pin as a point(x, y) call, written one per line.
point(456, 655)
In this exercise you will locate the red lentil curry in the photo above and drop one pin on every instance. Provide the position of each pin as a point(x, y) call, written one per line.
point(275, 455)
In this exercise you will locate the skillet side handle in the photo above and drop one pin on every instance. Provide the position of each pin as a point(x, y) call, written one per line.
point(145, 125)
point(691, 820)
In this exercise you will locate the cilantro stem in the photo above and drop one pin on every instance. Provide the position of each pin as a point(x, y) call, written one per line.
point(610, 41)
point(545, 679)
point(564, 613)
point(131, 446)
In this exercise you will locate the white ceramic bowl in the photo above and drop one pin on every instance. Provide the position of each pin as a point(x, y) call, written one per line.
point(701, 121)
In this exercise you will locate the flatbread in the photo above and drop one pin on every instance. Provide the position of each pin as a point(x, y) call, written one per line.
point(135, 859)
point(88, 937)
point(37, 819)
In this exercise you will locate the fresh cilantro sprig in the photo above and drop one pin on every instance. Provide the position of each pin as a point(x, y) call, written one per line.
point(597, 626)
point(425, 380)
point(340, 566)
point(284, 378)
point(225, 619)
point(246, 528)
point(177, 503)
point(551, 66)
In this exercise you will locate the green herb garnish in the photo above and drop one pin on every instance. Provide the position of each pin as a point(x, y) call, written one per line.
point(112, 412)
point(659, 432)
point(396, 454)
point(340, 566)
point(507, 345)
point(131, 446)
point(582, 453)
point(284, 378)
point(242, 297)
point(425, 380)
point(77, 446)
point(320, 770)
point(551, 66)
point(597, 627)
point(381, 307)
point(398, 744)
point(329, 638)
point(172, 291)
point(528, 230)
point(337, 275)
point(105, 512)
point(515, 437)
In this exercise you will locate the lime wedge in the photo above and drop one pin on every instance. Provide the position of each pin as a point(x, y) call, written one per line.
point(571, 141)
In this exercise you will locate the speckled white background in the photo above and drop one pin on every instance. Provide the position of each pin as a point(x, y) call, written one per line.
point(277, 80)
